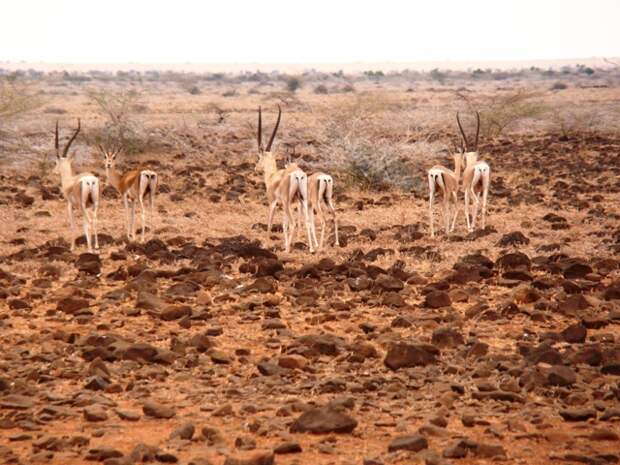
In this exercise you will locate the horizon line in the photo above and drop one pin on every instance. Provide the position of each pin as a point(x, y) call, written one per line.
point(358, 65)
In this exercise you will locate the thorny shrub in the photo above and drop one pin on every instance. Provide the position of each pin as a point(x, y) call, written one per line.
point(122, 127)
point(504, 110)
point(371, 150)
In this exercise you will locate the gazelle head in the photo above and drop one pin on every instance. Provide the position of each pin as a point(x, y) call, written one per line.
point(63, 159)
point(264, 153)
point(469, 151)
point(109, 156)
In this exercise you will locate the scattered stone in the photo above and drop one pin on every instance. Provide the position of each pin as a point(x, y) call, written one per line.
point(260, 458)
point(413, 443)
point(577, 414)
point(185, 431)
point(402, 355)
point(95, 413)
point(128, 415)
point(323, 420)
point(288, 448)
point(560, 375)
point(437, 299)
point(157, 410)
point(575, 334)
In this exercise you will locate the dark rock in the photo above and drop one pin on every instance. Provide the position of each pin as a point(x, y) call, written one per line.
point(102, 453)
point(498, 395)
point(149, 301)
point(560, 375)
point(603, 434)
point(576, 270)
point(174, 312)
point(577, 414)
point(403, 355)
point(447, 337)
point(575, 334)
point(437, 299)
point(323, 420)
point(127, 415)
point(514, 260)
point(71, 305)
point(513, 238)
point(287, 448)
point(456, 450)
point(413, 443)
point(260, 458)
point(245, 443)
point(389, 283)
point(264, 285)
point(483, 450)
point(95, 413)
point(185, 431)
point(157, 410)
point(359, 283)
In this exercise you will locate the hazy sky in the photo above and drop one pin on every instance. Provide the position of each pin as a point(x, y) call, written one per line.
point(317, 31)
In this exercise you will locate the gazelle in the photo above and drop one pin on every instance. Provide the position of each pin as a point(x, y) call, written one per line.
point(284, 186)
point(132, 185)
point(320, 198)
point(476, 178)
point(321, 194)
point(81, 190)
point(446, 181)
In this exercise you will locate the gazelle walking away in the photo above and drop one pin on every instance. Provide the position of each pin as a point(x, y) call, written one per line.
point(132, 185)
point(284, 186)
point(81, 190)
point(476, 178)
point(320, 196)
point(445, 181)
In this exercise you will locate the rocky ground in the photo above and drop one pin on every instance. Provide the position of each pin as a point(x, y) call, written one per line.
point(208, 345)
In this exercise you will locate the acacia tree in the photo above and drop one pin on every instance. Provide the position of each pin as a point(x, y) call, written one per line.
point(119, 108)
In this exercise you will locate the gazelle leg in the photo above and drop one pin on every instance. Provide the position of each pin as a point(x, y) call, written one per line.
point(71, 224)
point(313, 223)
point(285, 220)
point(335, 226)
point(308, 226)
point(85, 223)
point(95, 233)
point(431, 199)
point(430, 212)
point(446, 212)
point(272, 209)
point(485, 194)
point(332, 209)
point(321, 216)
point(132, 220)
point(476, 198)
point(143, 215)
point(467, 210)
point(151, 202)
point(127, 217)
point(294, 224)
point(456, 210)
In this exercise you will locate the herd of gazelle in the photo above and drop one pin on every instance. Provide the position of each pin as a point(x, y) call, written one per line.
point(82, 190)
point(288, 187)
point(475, 184)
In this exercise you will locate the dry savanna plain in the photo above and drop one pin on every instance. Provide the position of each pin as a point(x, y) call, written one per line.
point(207, 344)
